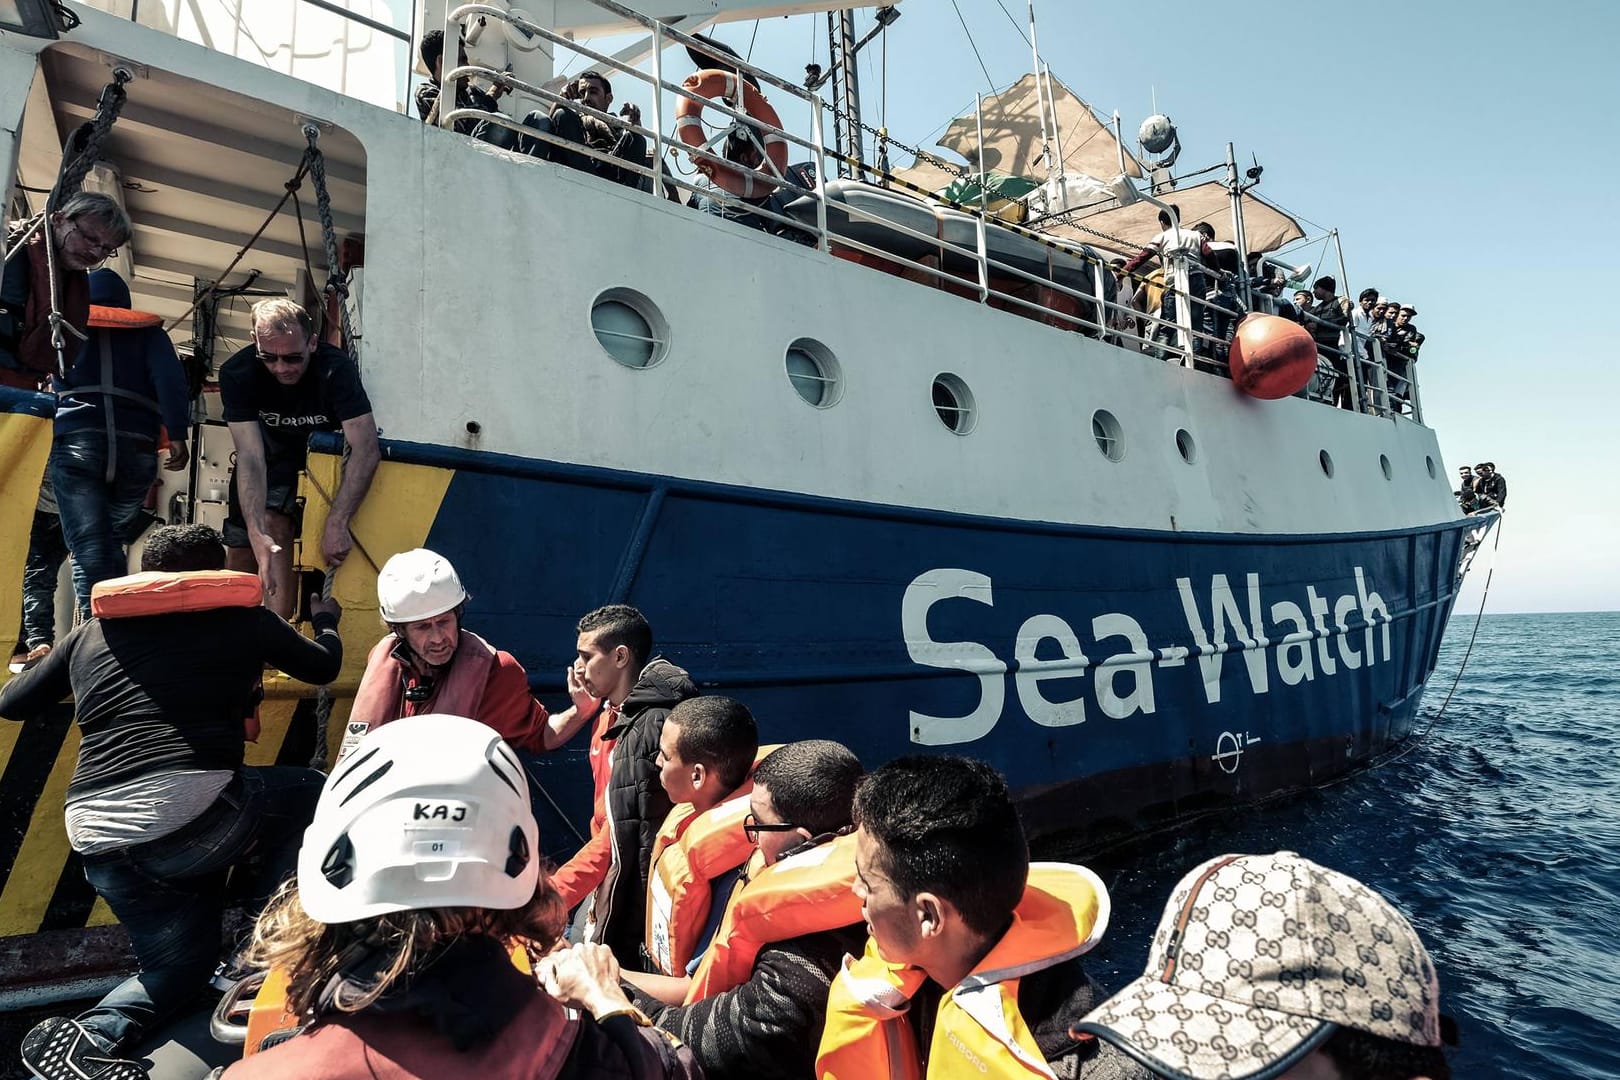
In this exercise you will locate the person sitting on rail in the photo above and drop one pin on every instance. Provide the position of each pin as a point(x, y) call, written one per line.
point(974, 952)
point(758, 999)
point(1466, 497)
point(430, 663)
point(85, 229)
point(419, 901)
point(160, 806)
point(576, 126)
point(1490, 486)
point(704, 757)
point(275, 393)
point(1270, 965)
point(468, 96)
point(636, 692)
point(1173, 244)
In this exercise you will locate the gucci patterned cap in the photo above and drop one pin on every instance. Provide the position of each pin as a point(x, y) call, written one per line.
point(1258, 960)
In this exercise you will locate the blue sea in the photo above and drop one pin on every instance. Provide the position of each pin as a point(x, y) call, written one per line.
point(1498, 834)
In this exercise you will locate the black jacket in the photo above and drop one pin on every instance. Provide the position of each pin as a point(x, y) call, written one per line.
point(769, 1028)
point(636, 807)
point(1491, 491)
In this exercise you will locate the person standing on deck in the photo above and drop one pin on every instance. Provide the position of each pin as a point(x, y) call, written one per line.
point(636, 693)
point(160, 807)
point(276, 393)
point(431, 663)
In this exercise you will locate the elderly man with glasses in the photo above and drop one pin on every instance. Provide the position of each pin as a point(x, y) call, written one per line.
point(276, 392)
point(85, 229)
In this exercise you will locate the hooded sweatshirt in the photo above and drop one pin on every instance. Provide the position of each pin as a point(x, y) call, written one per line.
point(127, 382)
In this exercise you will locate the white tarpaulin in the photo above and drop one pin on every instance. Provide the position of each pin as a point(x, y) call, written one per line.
point(1266, 227)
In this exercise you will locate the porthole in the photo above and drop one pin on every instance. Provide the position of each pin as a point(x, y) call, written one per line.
point(630, 328)
point(1185, 444)
point(953, 401)
point(1326, 460)
point(1429, 461)
point(1383, 463)
point(814, 373)
point(1109, 435)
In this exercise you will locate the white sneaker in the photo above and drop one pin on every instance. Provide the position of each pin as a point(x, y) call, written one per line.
point(61, 1049)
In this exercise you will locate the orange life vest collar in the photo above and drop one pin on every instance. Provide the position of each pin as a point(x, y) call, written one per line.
point(153, 592)
point(700, 847)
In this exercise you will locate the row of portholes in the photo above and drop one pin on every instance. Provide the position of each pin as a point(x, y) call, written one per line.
point(633, 332)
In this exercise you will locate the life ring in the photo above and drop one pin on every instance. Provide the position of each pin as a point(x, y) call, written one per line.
point(724, 85)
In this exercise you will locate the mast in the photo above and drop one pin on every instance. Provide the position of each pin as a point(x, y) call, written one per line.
point(1040, 96)
point(849, 84)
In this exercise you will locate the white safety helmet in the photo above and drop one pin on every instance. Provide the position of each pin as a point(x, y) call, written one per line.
point(417, 584)
point(426, 812)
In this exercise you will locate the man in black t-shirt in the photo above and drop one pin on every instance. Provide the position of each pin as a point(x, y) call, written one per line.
point(276, 393)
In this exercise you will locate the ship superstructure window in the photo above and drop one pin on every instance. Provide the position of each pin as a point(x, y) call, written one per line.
point(1326, 461)
point(1109, 435)
point(953, 401)
point(1383, 463)
point(630, 327)
point(813, 371)
point(1186, 446)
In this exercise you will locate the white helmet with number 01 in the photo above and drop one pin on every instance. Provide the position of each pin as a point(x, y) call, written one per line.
point(426, 812)
point(418, 584)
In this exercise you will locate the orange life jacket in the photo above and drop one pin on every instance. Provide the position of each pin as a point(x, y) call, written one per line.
point(805, 893)
point(978, 1031)
point(691, 850)
point(153, 592)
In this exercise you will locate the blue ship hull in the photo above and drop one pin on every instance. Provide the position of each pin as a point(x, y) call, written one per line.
point(1121, 679)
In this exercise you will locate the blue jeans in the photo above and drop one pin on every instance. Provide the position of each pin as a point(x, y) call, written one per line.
point(94, 512)
point(46, 550)
point(170, 893)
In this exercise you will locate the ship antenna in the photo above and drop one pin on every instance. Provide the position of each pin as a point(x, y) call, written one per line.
point(1041, 99)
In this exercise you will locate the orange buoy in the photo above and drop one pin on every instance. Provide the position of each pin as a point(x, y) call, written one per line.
point(725, 86)
point(1272, 357)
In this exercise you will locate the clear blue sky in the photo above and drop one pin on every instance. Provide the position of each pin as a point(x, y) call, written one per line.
point(1462, 150)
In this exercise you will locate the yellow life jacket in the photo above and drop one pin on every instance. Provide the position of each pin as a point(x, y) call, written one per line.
point(692, 849)
point(978, 1031)
point(152, 592)
point(802, 894)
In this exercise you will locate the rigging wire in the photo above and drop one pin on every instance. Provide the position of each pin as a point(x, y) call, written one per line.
point(1018, 29)
point(751, 39)
point(988, 81)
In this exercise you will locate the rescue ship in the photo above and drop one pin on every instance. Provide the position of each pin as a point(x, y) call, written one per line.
point(906, 492)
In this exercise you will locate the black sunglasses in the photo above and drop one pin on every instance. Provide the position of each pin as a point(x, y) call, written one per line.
point(752, 828)
point(281, 357)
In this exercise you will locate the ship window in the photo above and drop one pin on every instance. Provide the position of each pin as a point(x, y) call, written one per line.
point(1326, 460)
point(630, 327)
point(1185, 444)
point(813, 371)
point(1109, 435)
point(953, 401)
point(1429, 461)
point(1383, 463)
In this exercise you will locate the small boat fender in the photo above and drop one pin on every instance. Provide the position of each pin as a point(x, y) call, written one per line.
point(1272, 357)
point(723, 85)
point(156, 593)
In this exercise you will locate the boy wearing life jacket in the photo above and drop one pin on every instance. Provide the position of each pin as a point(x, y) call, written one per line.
point(758, 998)
point(160, 807)
point(972, 967)
point(704, 756)
point(430, 663)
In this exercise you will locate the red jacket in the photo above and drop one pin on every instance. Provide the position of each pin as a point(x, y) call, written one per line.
point(579, 876)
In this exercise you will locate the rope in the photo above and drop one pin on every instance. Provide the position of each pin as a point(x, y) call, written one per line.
point(336, 284)
point(323, 695)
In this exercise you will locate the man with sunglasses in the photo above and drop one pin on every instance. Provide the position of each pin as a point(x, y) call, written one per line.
point(85, 229)
point(277, 392)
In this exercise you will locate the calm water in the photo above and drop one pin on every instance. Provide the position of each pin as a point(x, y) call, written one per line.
point(1498, 835)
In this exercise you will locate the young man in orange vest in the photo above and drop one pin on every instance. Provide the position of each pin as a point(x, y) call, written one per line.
point(973, 964)
point(704, 757)
point(758, 998)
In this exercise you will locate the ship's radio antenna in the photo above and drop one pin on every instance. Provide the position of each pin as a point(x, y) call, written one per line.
point(1040, 96)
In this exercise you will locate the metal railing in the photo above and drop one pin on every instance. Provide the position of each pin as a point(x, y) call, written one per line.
point(977, 272)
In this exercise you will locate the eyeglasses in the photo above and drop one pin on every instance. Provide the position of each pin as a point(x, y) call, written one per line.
point(752, 828)
point(291, 359)
point(100, 247)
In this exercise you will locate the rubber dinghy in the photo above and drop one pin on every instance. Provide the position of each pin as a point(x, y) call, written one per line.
point(913, 228)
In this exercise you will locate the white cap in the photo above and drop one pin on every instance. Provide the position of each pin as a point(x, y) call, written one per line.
point(426, 812)
point(417, 584)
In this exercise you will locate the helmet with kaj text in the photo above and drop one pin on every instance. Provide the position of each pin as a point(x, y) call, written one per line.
point(418, 584)
point(426, 812)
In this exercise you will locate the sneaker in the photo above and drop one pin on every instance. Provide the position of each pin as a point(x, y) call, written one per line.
point(61, 1049)
point(35, 655)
